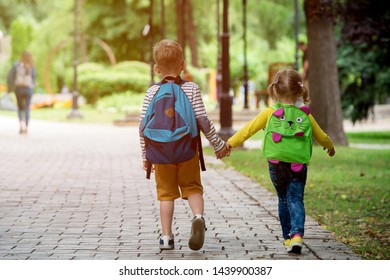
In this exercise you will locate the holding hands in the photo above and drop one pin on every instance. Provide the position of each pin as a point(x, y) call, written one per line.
point(225, 151)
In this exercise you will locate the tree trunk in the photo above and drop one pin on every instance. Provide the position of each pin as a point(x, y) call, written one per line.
point(323, 75)
point(181, 19)
point(191, 35)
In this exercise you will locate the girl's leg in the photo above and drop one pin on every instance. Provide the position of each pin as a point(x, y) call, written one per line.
point(279, 176)
point(27, 107)
point(19, 101)
point(166, 215)
point(284, 217)
point(295, 197)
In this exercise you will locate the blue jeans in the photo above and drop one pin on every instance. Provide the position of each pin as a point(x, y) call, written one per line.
point(290, 187)
point(23, 98)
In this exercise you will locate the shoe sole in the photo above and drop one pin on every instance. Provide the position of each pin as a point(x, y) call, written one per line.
point(167, 247)
point(296, 249)
point(197, 235)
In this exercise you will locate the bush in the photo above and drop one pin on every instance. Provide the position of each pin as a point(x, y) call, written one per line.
point(132, 67)
point(89, 67)
point(127, 102)
point(96, 82)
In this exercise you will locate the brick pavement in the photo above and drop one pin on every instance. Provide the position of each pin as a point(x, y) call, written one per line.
point(74, 191)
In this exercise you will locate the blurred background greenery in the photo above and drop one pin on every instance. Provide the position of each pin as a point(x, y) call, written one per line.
point(117, 28)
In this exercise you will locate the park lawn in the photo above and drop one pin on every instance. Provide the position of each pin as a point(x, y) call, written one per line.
point(371, 137)
point(347, 194)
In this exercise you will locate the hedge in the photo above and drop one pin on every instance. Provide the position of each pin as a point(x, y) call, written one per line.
point(95, 81)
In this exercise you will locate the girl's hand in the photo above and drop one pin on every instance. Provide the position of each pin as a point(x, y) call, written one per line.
point(331, 152)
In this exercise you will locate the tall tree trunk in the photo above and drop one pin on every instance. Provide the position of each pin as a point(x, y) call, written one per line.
point(323, 75)
point(191, 34)
point(162, 4)
point(181, 19)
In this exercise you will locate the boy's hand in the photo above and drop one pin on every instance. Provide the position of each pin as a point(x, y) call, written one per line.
point(331, 152)
point(225, 151)
point(221, 153)
point(146, 166)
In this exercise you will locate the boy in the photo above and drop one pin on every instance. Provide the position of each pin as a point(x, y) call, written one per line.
point(182, 179)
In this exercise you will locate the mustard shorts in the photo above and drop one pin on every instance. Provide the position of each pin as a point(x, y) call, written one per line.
point(178, 180)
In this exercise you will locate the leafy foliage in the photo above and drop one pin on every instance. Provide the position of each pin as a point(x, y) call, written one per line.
point(96, 81)
point(22, 34)
point(364, 57)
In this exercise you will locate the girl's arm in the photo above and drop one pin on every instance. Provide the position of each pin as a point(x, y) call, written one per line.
point(321, 137)
point(259, 122)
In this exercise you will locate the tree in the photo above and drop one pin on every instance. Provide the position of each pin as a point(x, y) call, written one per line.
point(323, 74)
point(364, 57)
point(186, 29)
point(21, 33)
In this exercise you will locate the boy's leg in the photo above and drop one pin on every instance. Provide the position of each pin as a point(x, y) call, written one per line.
point(196, 203)
point(166, 215)
point(167, 192)
point(191, 189)
point(198, 226)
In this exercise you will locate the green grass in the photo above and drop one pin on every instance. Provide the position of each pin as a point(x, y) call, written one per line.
point(347, 194)
point(382, 137)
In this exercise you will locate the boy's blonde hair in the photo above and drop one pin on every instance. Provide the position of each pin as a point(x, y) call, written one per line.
point(288, 82)
point(168, 55)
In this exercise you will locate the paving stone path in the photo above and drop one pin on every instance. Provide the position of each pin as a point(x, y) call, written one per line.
point(76, 191)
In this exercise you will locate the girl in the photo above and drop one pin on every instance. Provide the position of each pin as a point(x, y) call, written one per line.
point(287, 147)
point(21, 80)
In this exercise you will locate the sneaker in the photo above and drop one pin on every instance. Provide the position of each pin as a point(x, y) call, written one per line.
point(287, 245)
point(296, 244)
point(198, 229)
point(167, 243)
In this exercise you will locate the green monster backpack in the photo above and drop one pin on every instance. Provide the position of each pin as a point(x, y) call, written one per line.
point(288, 136)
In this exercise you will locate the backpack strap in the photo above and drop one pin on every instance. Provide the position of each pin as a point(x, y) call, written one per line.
point(200, 152)
point(177, 80)
point(148, 170)
point(276, 106)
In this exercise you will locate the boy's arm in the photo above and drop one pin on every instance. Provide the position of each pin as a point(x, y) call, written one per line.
point(321, 137)
point(259, 122)
point(204, 123)
point(148, 97)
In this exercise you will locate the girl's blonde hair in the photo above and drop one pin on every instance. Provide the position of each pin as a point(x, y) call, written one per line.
point(288, 82)
point(26, 59)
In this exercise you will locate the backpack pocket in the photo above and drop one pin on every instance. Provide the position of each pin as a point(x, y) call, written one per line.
point(289, 149)
point(177, 151)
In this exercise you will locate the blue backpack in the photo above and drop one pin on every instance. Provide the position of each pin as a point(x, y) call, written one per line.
point(169, 127)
